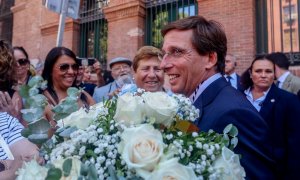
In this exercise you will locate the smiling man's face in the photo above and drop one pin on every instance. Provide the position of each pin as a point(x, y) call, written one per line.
point(182, 63)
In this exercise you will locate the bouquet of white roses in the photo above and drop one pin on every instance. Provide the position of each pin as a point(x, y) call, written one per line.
point(141, 135)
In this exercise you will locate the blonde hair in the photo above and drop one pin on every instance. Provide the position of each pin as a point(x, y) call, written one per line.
point(145, 52)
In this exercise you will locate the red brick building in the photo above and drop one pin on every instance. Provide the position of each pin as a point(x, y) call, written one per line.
point(246, 22)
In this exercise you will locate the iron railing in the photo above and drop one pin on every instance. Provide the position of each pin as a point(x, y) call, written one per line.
point(93, 30)
point(160, 12)
point(278, 28)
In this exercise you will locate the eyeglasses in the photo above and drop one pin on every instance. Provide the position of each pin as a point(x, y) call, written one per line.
point(174, 53)
point(119, 68)
point(66, 67)
point(23, 62)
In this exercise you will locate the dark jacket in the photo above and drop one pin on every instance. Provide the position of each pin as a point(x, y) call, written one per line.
point(220, 104)
point(281, 110)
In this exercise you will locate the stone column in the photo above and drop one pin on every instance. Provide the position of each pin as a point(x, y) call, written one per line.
point(126, 22)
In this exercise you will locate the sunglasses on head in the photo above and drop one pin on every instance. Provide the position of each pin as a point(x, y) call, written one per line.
point(66, 67)
point(23, 62)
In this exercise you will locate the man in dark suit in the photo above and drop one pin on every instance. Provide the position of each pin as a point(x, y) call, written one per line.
point(231, 76)
point(194, 50)
point(281, 110)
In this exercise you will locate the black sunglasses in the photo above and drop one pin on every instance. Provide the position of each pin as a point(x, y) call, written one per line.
point(66, 67)
point(23, 62)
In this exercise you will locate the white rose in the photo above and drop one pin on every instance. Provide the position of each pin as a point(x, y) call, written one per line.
point(130, 109)
point(141, 147)
point(81, 119)
point(160, 106)
point(75, 170)
point(229, 164)
point(172, 169)
point(32, 170)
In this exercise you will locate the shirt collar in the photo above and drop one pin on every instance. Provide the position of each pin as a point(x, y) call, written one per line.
point(283, 76)
point(204, 85)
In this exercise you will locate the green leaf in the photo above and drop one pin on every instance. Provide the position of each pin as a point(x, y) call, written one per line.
point(39, 127)
point(67, 132)
point(38, 138)
point(92, 173)
point(54, 174)
point(227, 128)
point(35, 80)
point(233, 131)
point(25, 132)
point(32, 114)
point(234, 141)
point(67, 166)
point(24, 91)
point(73, 92)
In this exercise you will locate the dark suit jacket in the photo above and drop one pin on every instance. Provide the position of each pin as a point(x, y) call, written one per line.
point(220, 104)
point(281, 110)
point(88, 87)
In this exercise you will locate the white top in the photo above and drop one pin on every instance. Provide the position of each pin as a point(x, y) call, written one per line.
point(233, 80)
point(10, 130)
point(203, 86)
point(257, 103)
point(282, 78)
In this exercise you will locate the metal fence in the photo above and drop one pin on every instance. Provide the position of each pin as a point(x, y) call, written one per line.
point(278, 28)
point(93, 30)
point(160, 12)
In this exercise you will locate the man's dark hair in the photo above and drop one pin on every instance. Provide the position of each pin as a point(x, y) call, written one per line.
point(208, 36)
point(280, 60)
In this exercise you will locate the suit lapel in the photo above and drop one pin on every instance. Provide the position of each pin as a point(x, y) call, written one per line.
point(209, 94)
point(268, 103)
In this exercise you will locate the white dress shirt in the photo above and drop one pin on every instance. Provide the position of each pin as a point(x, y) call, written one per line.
point(233, 80)
point(282, 78)
point(257, 103)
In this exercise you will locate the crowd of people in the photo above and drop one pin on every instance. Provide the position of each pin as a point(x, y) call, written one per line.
point(262, 103)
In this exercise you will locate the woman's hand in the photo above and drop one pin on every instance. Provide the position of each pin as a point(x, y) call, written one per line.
point(6, 104)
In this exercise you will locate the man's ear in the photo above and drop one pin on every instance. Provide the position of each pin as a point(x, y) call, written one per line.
point(212, 60)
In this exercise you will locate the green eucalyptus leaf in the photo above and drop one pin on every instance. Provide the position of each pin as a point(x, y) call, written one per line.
point(234, 141)
point(26, 132)
point(92, 172)
point(58, 116)
point(32, 114)
point(33, 91)
point(67, 166)
point(43, 85)
point(84, 169)
point(38, 100)
point(38, 138)
point(39, 127)
point(67, 132)
point(227, 128)
point(233, 131)
point(54, 174)
point(72, 91)
point(35, 80)
point(24, 91)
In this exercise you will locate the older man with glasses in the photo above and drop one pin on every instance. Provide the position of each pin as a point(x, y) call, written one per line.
point(120, 71)
point(194, 51)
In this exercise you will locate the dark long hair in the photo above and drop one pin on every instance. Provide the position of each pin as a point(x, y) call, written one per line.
point(50, 60)
point(246, 80)
point(208, 36)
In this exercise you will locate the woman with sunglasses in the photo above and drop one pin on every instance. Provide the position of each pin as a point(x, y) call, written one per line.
point(280, 110)
point(10, 99)
point(23, 71)
point(60, 71)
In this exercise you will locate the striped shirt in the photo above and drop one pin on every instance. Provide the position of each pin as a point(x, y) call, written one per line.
point(10, 129)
